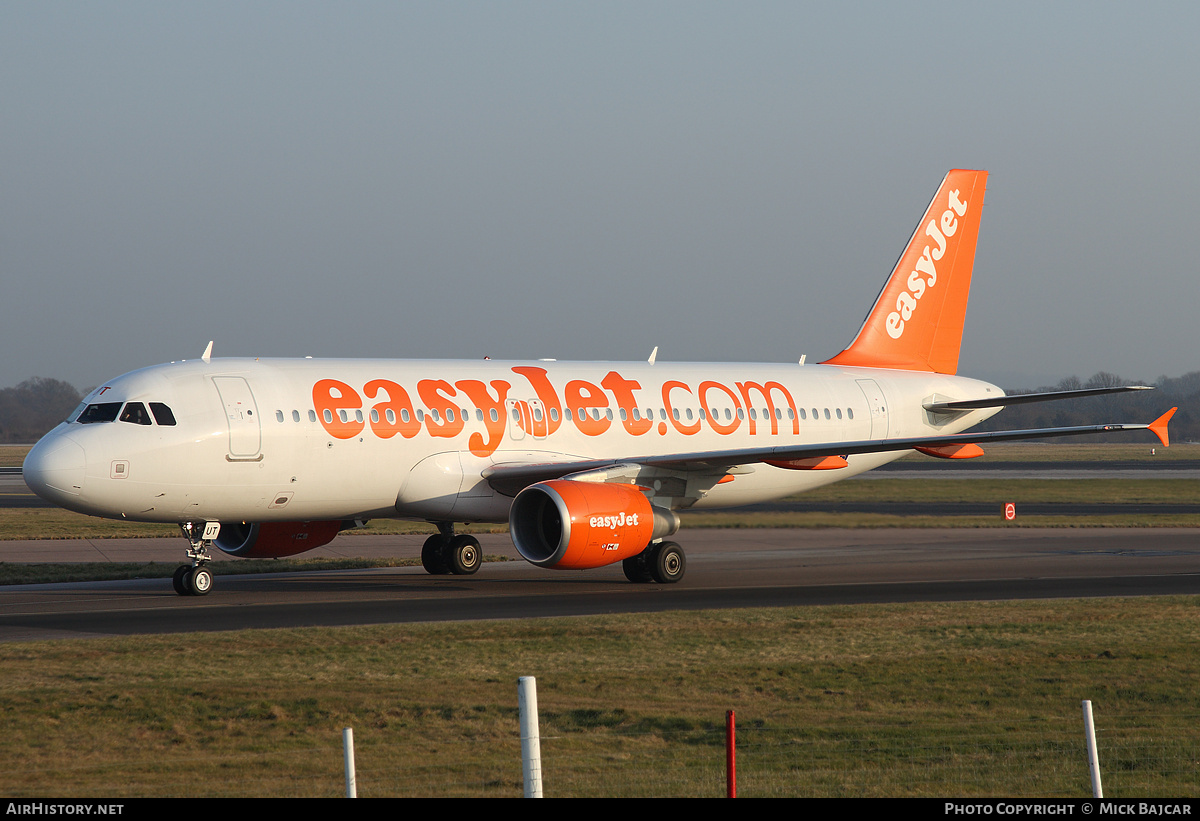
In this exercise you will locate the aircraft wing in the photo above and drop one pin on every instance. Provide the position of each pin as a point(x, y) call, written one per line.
point(511, 479)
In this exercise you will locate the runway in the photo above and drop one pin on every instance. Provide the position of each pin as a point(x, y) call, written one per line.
point(726, 568)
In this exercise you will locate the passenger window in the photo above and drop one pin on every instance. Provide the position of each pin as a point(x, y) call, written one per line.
point(839, 413)
point(162, 414)
point(850, 413)
point(495, 416)
point(827, 413)
point(278, 416)
point(102, 412)
point(312, 416)
point(295, 414)
point(135, 412)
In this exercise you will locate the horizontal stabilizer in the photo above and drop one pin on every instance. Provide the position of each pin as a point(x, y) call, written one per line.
point(1026, 398)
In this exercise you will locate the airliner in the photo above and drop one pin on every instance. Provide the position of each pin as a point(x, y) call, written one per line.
point(588, 462)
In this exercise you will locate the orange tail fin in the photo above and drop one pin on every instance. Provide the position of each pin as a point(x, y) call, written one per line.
point(917, 321)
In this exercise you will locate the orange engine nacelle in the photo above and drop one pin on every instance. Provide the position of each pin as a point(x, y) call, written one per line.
point(571, 525)
point(273, 540)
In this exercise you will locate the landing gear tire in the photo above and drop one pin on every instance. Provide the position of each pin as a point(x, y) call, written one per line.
point(198, 580)
point(195, 579)
point(666, 562)
point(433, 556)
point(636, 570)
point(463, 555)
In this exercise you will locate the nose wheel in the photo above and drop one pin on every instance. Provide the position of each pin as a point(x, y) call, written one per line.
point(196, 579)
point(192, 581)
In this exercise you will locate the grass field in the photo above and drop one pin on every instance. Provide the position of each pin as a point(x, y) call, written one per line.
point(979, 699)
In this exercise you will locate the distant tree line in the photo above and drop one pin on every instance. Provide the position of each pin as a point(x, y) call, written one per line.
point(1135, 407)
point(37, 405)
point(34, 407)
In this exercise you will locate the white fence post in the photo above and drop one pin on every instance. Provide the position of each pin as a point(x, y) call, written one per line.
point(348, 755)
point(1089, 730)
point(531, 746)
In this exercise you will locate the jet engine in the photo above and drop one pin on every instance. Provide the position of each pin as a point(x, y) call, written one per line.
point(273, 540)
point(572, 525)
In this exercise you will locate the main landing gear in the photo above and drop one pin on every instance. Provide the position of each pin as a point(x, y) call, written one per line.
point(195, 579)
point(446, 552)
point(661, 562)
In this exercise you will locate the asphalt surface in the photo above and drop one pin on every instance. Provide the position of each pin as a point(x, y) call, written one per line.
point(726, 568)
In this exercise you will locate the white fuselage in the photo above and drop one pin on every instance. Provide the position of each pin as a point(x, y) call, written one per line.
point(304, 440)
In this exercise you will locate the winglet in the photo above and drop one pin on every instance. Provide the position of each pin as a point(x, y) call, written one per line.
point(916, 323)
point(1159, 427)
point(207, 355)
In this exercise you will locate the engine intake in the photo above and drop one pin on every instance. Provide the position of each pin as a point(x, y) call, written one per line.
point(273, 540)
point(572, 525)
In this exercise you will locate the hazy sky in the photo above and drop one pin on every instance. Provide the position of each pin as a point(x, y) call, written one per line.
point(728, 181)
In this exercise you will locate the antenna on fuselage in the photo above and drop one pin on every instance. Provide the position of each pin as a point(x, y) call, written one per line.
point(207, 355)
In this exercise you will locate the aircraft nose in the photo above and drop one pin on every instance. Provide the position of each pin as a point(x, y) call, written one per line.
point(54, 469)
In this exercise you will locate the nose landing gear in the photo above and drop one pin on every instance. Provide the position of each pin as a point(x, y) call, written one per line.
point(196, 579)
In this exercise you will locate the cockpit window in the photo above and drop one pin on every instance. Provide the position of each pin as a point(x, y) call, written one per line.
point(135, 412)
point(100, 412)
point(162, 414)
